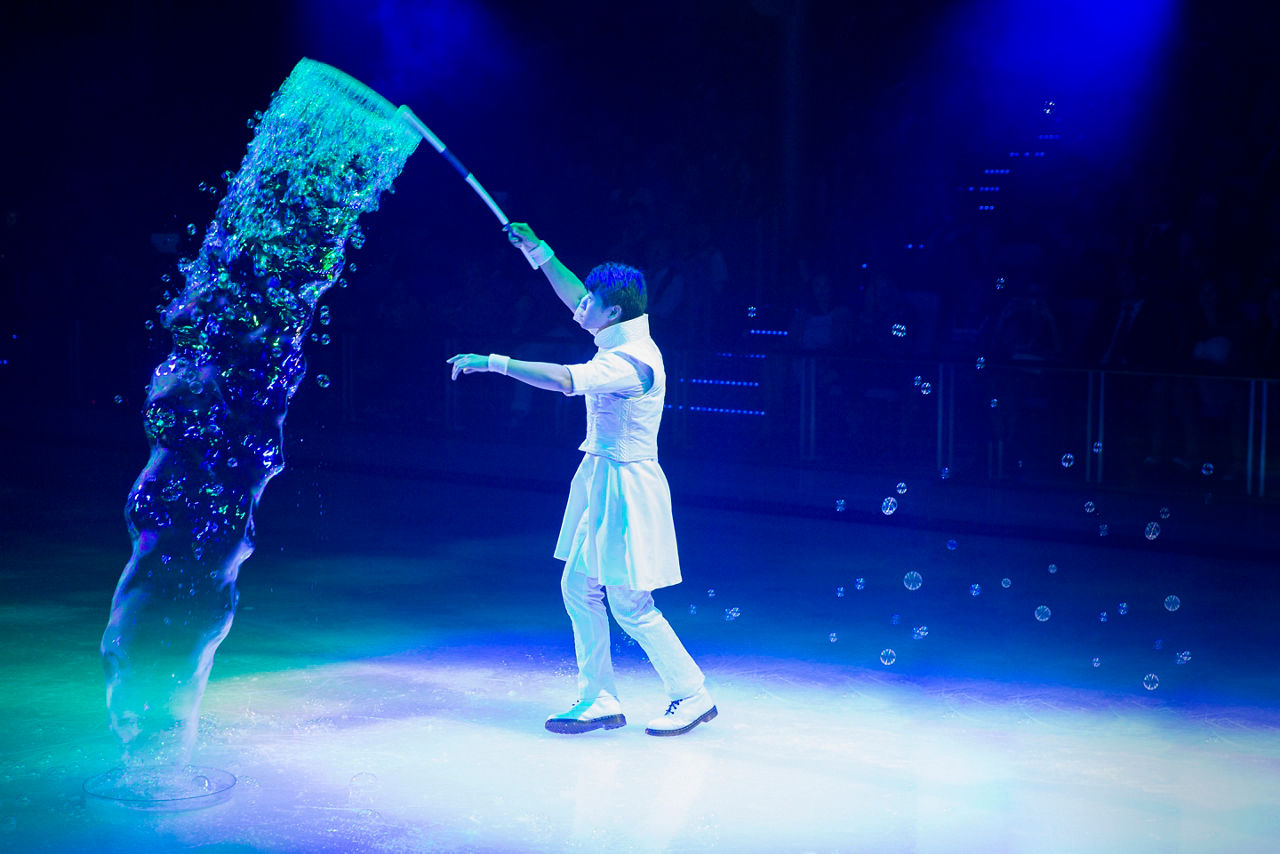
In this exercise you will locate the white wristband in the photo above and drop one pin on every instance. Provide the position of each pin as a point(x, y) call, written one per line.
point(498, 364)
point(540, 254)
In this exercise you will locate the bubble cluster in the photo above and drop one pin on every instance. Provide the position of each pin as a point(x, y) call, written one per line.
point(1043, 613)
point(887, 657)
point(1172, 603)
point(912, 580)
point(888, 506)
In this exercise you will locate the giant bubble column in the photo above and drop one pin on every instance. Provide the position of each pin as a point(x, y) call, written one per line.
point(322, 154)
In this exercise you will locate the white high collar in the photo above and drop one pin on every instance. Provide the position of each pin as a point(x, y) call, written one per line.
point(635, 329)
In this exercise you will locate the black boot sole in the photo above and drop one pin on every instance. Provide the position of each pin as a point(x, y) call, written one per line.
point(569, 726)
point(711, 713)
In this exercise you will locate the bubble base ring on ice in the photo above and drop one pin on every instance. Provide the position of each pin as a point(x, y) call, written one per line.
point(322, 155)
point(163, 788)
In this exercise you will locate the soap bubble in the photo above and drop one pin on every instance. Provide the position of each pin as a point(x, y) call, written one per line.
point(839, 505)
point(902, 488)
point(1005, 582)
point(711, 593)
point(148, 325)
point(1102, 616)
point(832, 637)
point(166, 278)
point(1089, 507)
point(325, 339)
point(859, 583)
point(1206, 469)
point(1164, 512)
point(1122, 608)
point(119, 398)
point(925, 388)
point(1097, 447)
point(994, 403)
point(894, 619)
point(751, 311)
point(952, 545)
point(918, 380)
point(839, 592)
point(1158, 644)
point(363, 783)
point(888, 506)
point(1151, 681)
point(981, 363)
point(1183, 657)
point(912, 580)
point(1172, 603)
point(1053, 568)
point(232, 462)
point(1152, 530)
point(975, 589)
point(945, 473)
point(693, 610)
point(201, 783)
point(1043, 613)
point(191, 226)
point(1000, 283)
point(920, 632)
point(1097, 662)
point(1104, 530)
point(323, 380)
point(887, 657)
point(898, 330)
point(731, 614)
point(1068, 460)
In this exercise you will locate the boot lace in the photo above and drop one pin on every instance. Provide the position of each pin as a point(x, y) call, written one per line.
point(671, 709)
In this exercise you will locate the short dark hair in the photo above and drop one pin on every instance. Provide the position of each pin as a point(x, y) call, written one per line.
point(620, 285)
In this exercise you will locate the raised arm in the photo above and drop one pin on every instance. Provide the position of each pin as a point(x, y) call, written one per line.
point(568, 287)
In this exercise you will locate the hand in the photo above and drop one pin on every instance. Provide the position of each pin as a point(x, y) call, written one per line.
point(521, 236)
point(468, 363)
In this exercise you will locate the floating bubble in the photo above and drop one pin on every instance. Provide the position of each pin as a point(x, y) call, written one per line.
point(166, 278)
point(693, 610)
point(887, 657)
point(945, 473)
point(839, 592)
point(1097, 447)
point(751, 311)
point(1164, 512)
point(323, 380)
point(1104, 529)
point(975, 589)
point(902, 488)
point(191, 226)
point(119, 398)
point(894, 619)
point(898, 330)
point(1122, 608)
point(1183, 657)
point(363, 782)
point(1151, 681)
point(1152, 530)
point(888, 506)
point(1097, 662)
point(952, 545)
point(920, 632)
point(832, 637)
point(912, 580)
point(1172, 603)
point(1000, 283)
point(232, 462)
point(1158, 644)
point(1206, 469)
point(980, 364)
point(731, 614)
point(1068, 460)
point(926, 388)
point(1053, 569)
point(1043, 613)
point(994, 403)
point(201, 783)
point(325, 339)
point(839, 505)
point(1089, 507)
point(1005, 582)
point(148, 325)
point(711, 593)
point(859, 583)
point(1102, 616)
point(918, 380)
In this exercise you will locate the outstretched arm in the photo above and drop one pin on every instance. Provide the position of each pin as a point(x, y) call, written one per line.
point(546, 375)
point(568, 287)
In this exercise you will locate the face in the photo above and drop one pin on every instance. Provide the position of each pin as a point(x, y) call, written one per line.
point(592, 315)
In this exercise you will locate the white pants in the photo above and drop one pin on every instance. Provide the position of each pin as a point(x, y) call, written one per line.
point(635, 612)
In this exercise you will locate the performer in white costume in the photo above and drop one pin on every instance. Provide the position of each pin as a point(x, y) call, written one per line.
point(617, 539)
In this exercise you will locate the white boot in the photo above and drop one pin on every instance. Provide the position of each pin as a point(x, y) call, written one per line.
point(683, 715)
point(602, 711)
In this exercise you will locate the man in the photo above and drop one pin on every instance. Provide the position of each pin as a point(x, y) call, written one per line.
point(617, 536)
